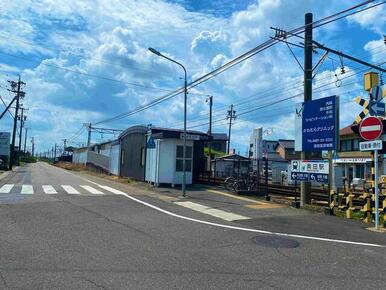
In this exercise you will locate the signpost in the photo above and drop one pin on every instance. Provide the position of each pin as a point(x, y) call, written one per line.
point(370, 129)
point(317, 125)
point(310, 170)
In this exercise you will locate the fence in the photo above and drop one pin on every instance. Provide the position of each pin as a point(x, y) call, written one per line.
point(350, 201)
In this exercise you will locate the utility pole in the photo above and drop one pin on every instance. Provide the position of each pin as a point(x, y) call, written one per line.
point(64, 146)
point(55, 153)
point(210, 135)
point(19, 94)
point(89, 134)
point(33, 146)
point(305, 187)
point(22, 119)
point(231, 116)
point(25, 142)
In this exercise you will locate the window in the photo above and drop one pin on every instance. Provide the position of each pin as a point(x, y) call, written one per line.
point(122, 157)
point(188, 159)
point(143, 156)
point(346, 145)
point(356, 145)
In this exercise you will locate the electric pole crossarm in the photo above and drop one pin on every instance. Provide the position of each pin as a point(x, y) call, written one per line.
point(348, 56)
point(7, 108)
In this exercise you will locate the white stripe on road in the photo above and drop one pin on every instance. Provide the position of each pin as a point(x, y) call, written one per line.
point(27, 189)
point(118, 192)
point(49, 189)
point(91, 189)
point(6, 188)
point(370, 128)
point(70, 190)
point(228, 216)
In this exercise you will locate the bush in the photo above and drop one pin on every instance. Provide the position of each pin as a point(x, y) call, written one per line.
point(28, 159)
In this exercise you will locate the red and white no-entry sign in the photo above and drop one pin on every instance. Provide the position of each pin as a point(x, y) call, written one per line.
point(370, 128)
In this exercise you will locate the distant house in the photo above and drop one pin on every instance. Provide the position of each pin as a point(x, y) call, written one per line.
point(286, 149)
point(219, 142)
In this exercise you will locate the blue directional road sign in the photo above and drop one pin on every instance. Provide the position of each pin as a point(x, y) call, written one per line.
point(301, 176)
point(377, 108)
point(150, 143)
point(319, 177)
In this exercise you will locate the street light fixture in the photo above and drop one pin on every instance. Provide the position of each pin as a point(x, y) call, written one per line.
point(156, 52)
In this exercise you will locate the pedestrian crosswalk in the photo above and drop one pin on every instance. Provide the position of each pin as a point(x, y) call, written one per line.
point(27, 189)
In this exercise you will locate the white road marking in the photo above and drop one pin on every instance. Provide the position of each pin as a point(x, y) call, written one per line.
point(27, 189)
point(228, 216)
point(6, 188)
point(49, 189)
point(91, 189)
point(118, 192)
point(70, 190)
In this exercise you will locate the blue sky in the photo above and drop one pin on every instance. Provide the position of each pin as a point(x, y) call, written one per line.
point(85, 61)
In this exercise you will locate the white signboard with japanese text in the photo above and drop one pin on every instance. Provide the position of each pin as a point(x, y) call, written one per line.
point(5, 138)
point(370, 145)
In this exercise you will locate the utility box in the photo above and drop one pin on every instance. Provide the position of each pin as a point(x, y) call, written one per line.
point(371, 79)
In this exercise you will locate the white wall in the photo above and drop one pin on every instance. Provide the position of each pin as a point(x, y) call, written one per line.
point(114, 159)
point(79, 157)
point(161, 162)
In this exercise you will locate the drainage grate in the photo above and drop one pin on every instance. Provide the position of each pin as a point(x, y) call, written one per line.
point(272, 241)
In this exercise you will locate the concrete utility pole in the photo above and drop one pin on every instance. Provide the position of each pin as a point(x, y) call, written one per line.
point(22, 119)
point(210, 134)
point(64, 146)
point(25, 142)
point(33, 146)
point(19, 94)
point(231, 116)
point(55, 153)
point(305, 187)
point(89, 134)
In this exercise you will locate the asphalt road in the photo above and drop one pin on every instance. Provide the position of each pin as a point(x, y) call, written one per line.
point(54, 238)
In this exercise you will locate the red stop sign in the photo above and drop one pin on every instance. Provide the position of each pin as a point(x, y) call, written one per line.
point(370, 128)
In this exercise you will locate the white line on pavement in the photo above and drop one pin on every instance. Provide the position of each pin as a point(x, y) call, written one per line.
point(118, 192)
point(234, 227)
point(70, 190)
point(49, 189)
point(228, 216)
point(91, 189)
point(6, 188)
point(27, 189)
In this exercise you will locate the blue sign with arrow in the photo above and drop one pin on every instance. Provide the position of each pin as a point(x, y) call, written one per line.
point(150, 143)
point(377, 108)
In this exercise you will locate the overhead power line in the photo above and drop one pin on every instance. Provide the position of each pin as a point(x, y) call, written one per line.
point(236, 61)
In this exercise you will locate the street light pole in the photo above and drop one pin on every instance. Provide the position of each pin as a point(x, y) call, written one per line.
point(156, 52)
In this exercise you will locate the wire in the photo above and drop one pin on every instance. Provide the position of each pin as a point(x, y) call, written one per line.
point(270, 94)
point(229, 65)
